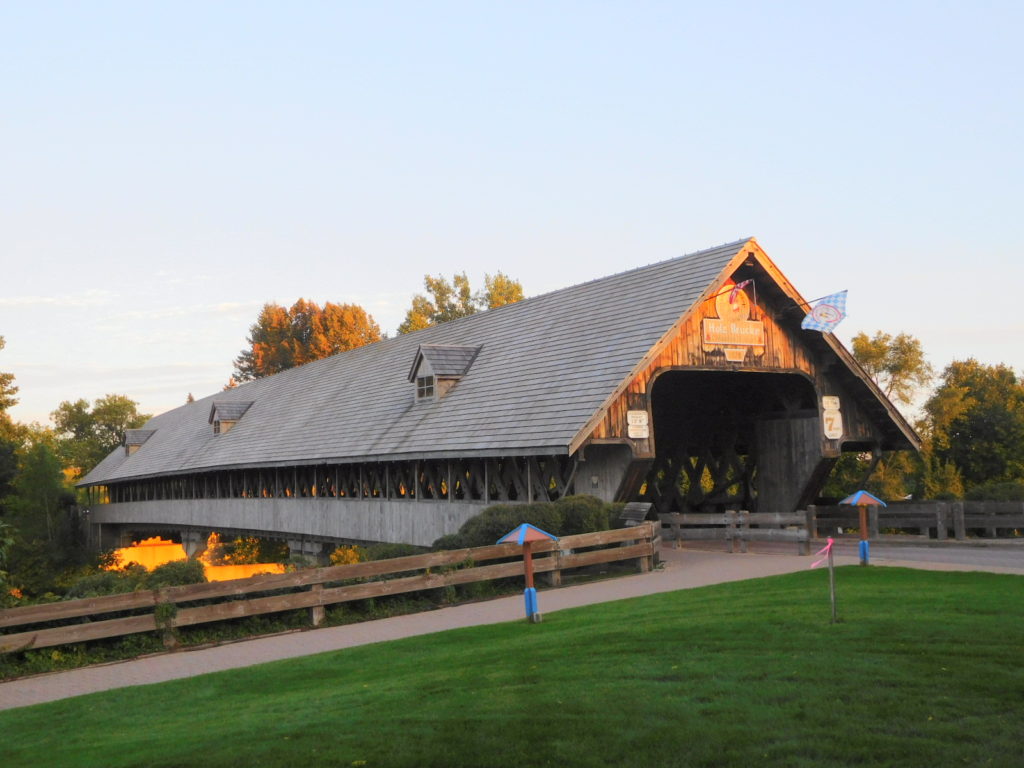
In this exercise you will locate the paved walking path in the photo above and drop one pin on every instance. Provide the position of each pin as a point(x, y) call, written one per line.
point(684, 569)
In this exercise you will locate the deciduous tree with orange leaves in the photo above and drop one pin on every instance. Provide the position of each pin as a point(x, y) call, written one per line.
point(284, 338)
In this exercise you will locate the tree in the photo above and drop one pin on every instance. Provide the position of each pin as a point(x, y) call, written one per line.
point(893, 477)
point(85, 435)
point(452, 300)
point(898, 366)
point(7, 388)
point(976, 422)
point(48, 534)
point(8, 467)
point(284, 338)
point(896, 363)
point(501, 290)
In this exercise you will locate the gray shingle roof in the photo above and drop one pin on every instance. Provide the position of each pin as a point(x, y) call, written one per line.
point(546, 365)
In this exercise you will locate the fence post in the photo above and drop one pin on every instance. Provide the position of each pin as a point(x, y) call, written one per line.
point(730, 531)
point(644, 563)
point(804, 547)
point(958, 520)
point(655, 543)
point(942, 520)
point(812, 521)
point(677, 532)
point(555, 576)
point(317, 613)
point(744, 527)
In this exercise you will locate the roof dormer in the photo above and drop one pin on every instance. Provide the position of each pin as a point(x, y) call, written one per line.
point(134, 439)
point(438, 367)
point(225, 414)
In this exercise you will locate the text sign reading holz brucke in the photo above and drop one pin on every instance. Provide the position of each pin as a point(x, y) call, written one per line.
point(732, 332)
point(742, 333)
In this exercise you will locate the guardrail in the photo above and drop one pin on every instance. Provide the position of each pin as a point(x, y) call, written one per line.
point(736, 528)
point(315, 588)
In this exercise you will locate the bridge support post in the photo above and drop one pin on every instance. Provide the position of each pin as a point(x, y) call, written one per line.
point(194, 542)
point(313, 550)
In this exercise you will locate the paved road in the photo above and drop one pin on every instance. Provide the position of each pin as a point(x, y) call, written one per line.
point(684, 569)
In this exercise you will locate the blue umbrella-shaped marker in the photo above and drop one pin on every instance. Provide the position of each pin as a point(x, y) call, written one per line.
point(862, 500)
point(525, 535)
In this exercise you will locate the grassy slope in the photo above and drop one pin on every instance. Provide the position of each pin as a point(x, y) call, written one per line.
point(925, 669)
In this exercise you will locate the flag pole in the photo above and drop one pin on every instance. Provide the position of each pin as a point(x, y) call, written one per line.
point(832, 583)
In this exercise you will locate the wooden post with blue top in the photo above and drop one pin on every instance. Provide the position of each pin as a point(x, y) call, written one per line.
point(525, 535)
point(862, 500)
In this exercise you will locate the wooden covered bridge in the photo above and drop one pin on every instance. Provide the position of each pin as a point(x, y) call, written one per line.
point(667, 384)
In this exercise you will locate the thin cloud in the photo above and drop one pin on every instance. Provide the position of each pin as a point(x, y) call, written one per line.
point(87, 299)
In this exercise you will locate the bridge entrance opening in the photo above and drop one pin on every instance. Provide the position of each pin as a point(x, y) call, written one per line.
point(734, 440)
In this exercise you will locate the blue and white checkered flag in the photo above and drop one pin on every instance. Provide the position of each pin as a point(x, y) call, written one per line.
point(826, 314)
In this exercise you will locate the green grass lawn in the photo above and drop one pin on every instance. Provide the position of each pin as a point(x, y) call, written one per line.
point(925, 669)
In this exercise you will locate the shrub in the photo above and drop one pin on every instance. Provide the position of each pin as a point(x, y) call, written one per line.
point(177, 573)
point(493, 523)
point(388, 551)
point(1007, 491)
point(564, 517)
point(347, 555)
point(582, 514)
point(100, 583)
point(449, 541)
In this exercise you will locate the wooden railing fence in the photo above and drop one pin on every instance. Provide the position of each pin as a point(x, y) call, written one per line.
point(932, 519)
point(944, 518)
point(164, 609)
point(738, 528)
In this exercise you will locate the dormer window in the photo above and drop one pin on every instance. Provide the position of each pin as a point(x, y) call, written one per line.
point(439, 367)
point(135, 438)
point(224, 415)
point(424, 387)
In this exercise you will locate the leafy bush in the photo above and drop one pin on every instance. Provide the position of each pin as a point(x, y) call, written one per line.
point(177, 573)
point(564, 517)
point(583, 514)
point(347, 555)
point(1008, 491)
point(449, 541)
point(388, 551)
point(116, 582)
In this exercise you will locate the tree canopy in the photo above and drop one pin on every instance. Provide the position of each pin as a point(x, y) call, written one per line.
point(455, 299)
point(7, 388)
point(284, 338)
point(976, 421)
point(47, 536)
point(85, 435)
point(896, 363)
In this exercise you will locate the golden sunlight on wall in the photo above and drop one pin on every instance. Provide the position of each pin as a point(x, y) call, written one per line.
point(156, 551)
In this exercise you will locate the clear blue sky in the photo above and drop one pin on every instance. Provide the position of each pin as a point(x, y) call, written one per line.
point(169, 167)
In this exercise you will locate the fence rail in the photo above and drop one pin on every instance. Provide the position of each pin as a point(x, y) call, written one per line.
point(934, 519)
point(738, 528)
point(319, 587)
point(943, 518)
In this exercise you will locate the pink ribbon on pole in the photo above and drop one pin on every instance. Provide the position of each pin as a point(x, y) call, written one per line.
point(823, 551)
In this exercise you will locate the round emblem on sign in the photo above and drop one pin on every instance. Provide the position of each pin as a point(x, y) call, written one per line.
point(826, 313)
point(733, 305)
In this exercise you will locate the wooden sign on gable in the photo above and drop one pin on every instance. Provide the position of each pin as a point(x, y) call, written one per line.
point(733, 331)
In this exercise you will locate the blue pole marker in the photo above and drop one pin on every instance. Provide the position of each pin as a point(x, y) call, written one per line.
point(532, 614)
point(864, 553)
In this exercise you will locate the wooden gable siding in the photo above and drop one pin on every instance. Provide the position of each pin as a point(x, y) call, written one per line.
point(686, 350)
